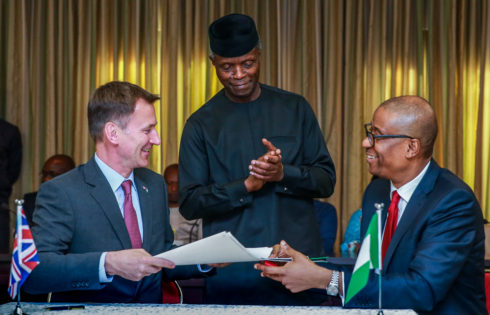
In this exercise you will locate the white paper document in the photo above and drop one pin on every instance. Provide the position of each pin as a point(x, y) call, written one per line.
point(219, 248)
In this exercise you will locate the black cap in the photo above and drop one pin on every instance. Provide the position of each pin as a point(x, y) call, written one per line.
point(233, 35)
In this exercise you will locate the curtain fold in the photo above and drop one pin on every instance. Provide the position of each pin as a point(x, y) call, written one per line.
point(345, 57)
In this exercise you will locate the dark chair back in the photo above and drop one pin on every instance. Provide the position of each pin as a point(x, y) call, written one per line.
point(327, 220)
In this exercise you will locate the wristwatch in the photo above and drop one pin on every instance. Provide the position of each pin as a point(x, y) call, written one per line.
point(333, 286)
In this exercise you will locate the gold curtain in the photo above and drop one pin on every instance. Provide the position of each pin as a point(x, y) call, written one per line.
point(345, 57)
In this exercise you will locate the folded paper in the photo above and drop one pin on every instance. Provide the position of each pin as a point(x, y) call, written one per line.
point(219, 248)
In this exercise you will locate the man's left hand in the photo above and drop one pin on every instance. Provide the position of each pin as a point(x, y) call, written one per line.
point(268, 167)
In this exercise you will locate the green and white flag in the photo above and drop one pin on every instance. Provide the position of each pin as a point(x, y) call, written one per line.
point(367, 259)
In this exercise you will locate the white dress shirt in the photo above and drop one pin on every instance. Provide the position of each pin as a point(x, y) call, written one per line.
point(406, 191)
point(115, 180)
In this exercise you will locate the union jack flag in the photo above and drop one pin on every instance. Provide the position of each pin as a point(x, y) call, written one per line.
point(24, 256)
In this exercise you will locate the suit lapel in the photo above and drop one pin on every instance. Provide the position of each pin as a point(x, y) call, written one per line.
point(414, 208)
point(378, 192)
point(101, 191)
point(146, 207)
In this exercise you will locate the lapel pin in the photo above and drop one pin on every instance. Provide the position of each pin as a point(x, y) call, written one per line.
point(145, 189)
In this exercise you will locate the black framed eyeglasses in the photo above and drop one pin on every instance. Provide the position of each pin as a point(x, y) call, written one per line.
point(372, 138)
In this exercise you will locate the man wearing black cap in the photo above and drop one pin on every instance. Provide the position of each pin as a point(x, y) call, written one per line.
point(251, 161)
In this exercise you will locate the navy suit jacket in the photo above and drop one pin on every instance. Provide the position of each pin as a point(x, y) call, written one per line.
point(77, 218)
point(435, 260)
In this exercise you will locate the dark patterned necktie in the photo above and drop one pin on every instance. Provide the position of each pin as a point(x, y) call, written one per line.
point(391, 222)
point(130, 216)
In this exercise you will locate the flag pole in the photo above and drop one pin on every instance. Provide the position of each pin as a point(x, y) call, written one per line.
point(19, 202)
point(379, 208)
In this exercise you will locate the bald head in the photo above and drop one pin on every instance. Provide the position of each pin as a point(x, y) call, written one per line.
point(415, 118)
point(56, 165)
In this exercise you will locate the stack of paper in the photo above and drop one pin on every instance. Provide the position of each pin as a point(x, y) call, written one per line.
point(219, 248)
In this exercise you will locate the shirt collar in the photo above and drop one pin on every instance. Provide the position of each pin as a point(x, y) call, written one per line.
point(114, 178)
point(406, 191)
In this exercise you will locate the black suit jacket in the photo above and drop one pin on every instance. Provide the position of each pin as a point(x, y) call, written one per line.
point(10, 158)
point(77, 218)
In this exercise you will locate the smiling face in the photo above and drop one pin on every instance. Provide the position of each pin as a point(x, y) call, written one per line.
point(239, 76)
point(388, 157)
point(137, 138)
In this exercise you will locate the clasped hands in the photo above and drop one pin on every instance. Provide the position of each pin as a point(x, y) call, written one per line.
point(267, 168)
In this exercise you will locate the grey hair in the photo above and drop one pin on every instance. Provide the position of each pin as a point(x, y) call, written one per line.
point(212, 54)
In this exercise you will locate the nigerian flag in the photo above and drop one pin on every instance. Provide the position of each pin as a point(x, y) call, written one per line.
point(367, 259)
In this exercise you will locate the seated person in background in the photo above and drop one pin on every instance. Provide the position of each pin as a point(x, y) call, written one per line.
point(433, 261)
point(54, 166)
point(352, 236)
point(98, 227)
point(185, 231)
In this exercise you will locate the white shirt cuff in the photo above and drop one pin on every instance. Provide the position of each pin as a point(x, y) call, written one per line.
point(103, 278)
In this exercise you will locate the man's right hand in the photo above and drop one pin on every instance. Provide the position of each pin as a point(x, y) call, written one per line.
point(134, 264)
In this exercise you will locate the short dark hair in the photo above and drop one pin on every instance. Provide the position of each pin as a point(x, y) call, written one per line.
point(169, 167)
point(65, 159)
point(114, 101)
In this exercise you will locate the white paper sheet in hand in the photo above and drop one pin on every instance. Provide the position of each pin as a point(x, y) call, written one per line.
point(219, 248)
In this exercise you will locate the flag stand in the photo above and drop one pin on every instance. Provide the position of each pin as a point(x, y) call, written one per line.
point(18, 309)
point(379, 208)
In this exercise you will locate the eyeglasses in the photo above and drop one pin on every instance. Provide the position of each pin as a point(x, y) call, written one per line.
point(372, 138)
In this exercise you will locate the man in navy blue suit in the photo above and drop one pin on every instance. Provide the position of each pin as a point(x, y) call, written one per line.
point(435, 259)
